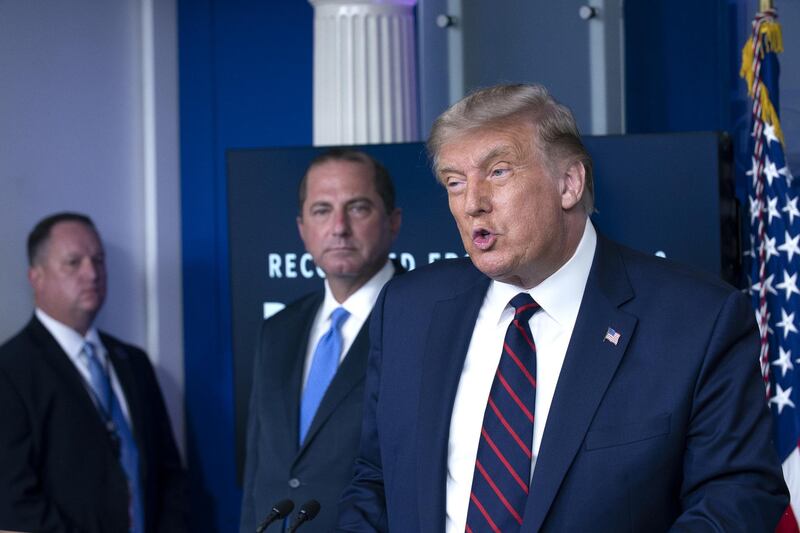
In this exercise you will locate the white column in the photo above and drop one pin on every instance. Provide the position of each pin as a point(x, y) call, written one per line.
point(160, 148)
point(365, 84)
point(606, 65)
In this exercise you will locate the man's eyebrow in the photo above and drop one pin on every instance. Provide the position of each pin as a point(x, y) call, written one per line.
point(358, 199)
point(496, 152)
point(448, 170)
point(328, 203)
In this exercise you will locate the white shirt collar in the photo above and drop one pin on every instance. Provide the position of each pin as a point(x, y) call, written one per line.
point(70, 340)
point(360, 303)
point(560, 294)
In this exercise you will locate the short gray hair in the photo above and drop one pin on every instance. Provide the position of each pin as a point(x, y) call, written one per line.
point(557, 136)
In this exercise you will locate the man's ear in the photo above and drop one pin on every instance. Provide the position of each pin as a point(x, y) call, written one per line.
point(395, 221)
point(300, 227)
point(35, 276)
point(573, 182)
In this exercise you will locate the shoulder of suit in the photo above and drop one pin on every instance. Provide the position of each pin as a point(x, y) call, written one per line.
point(121, 348)
point(17, 348)
point(668, 275)
point(438, 279)
point(460, 267)
point(304, 305)
point(398, 267)
point(26, 348)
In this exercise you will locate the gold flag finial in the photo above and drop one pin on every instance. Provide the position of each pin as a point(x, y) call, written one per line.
point(764, 5)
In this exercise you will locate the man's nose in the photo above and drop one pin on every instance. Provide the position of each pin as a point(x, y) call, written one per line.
point(341, 222)
point(90, 269)
point(477, 197)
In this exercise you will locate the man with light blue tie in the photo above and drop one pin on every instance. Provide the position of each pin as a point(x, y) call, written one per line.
point(304, 421)
point(86, 444)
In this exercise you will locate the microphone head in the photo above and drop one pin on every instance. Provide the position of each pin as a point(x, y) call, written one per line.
point(279, 510)
point(283, 508)
point(310, 509)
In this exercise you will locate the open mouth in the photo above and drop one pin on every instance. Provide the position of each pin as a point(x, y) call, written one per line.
point(483, 239)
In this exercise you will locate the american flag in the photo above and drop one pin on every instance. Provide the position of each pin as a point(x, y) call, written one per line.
point(612, 336)
point(774, 252)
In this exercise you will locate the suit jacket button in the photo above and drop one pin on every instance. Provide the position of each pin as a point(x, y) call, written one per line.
point(294, 483)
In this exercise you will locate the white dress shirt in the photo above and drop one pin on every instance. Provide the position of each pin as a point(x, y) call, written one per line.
point(359, 305)
point(72, 343)
point(560, 298)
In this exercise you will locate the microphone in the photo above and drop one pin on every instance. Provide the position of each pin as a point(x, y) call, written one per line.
point(279, 510)
point(307, 512)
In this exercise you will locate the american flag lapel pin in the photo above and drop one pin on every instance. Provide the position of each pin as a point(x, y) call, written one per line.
point(612, 336)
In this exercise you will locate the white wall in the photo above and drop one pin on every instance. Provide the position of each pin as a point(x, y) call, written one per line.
point(88, 122)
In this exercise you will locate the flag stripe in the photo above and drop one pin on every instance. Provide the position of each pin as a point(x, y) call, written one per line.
point(772, 254)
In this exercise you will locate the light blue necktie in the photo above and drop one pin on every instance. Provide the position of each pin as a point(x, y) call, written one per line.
point(323, 368)
point(115, 422)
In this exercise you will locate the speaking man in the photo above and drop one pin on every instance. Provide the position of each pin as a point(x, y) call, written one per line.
point(308, 379)
point(85, 441)
point(555, 380)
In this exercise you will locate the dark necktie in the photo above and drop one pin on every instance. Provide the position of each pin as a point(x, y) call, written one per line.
point(503, 465)
point(120, 431)
point(323, 368)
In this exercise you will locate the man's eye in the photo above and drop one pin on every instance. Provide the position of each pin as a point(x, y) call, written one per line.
point(454, 185)
point(320, 211)
point(499, 172)
point(360, 209)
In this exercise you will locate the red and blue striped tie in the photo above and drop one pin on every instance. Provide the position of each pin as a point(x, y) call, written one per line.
point(503, 466)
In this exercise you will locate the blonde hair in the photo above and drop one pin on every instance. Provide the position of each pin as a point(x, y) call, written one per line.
point(557, 137)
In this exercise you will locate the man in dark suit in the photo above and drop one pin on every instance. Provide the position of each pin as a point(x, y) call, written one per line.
point(555, 381)
point(85, 444)
point(308, 380)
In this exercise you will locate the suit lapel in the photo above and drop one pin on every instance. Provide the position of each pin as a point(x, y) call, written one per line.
point(589, 366)
point(71, 382)
point(71, 379)
point(441, 373)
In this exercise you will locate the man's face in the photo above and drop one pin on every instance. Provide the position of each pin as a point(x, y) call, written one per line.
point(519, 223)
point(69, 275)
point(344, 224)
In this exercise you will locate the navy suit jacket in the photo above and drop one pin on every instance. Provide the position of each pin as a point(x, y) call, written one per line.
point(58, 468)
point(666, 429)
point(276, 466)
